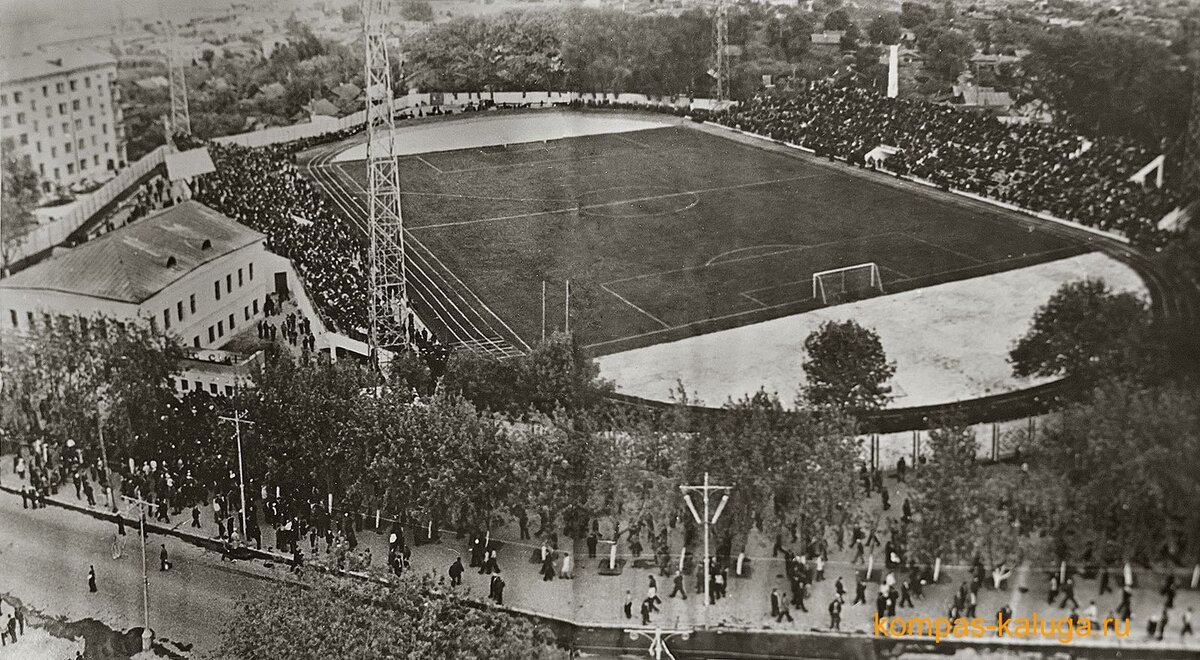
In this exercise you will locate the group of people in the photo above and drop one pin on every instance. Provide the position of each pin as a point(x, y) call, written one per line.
point(1038, 167)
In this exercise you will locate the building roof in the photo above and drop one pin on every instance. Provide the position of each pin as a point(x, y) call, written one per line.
point(986, 97)
point(51, 62)
point(828, 37)
point(323, 107)
point(188, 164)
point(133, 263)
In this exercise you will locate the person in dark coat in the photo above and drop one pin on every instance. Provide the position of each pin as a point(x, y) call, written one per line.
point(456, 571)
point(775, 603)
point(163, 564)
point(835, 614)
point(91, 579)
point(860, 593)
point(548, 567)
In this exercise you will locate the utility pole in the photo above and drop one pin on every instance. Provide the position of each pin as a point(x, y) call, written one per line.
point(543, 310)
point(146, 634)
point(708, 520)
point(567, 311)
point(658, 640)
point(238, 419)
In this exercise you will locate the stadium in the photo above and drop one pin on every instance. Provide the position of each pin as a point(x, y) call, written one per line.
point(702, 256)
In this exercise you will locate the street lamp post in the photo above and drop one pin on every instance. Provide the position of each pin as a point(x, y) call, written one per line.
point(146, 634)
point(238, 420)
point(705, 489)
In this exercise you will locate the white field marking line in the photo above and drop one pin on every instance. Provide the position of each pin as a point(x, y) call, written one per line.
point(903, 275)
point(790, 247)
point(644, 312)
point(632, 200)
point(433, 296)
point(530, 163)
point(435, 167)
point(424, 289)
point(501, 199)
point(946, 249)
point(806, 298)
point(752, 299)
point(747, 258)
point(445, 268)
point(631, 141)
point(633, 216)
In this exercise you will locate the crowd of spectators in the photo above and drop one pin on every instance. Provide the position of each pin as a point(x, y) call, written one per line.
point(1037, 167)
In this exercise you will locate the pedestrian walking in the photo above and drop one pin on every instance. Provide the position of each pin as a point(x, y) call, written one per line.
point(860, 593)
point(548, 567)
point(498, 588)
point(592, 541)
point(646, 612)
point(20, 616)
point(91, 579)
point(163, 564)
point(195, 517)
point(456, 571)
point(835, 614)
point(678, 586)
point(1184, 631)
point(628, 604)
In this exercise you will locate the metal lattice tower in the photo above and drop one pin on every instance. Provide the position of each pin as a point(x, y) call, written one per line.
point(721, 50)
point(181, 121)
point(389, 300)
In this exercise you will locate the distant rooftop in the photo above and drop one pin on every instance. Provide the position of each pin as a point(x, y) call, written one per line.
point(50, 62)
point(133, 263)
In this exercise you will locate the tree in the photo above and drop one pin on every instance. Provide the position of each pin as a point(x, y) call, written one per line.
point(1127, 461)
point(19, 198)
point(838, 20)
point(945, 496)
point(1111, 81)
point(949, 52)
point(1085, 329)
point(416, 10)
point(914, 15)
point(885, 29)
point(407, 619)
point(846, 368)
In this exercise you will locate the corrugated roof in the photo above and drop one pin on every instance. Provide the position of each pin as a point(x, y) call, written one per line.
point(133, 263)
point(49, 62)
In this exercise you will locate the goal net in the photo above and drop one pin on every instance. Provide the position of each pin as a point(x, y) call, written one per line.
point(847, 283)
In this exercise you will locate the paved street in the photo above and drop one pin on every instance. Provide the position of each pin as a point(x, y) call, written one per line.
point(44, 562)
point(44, 559)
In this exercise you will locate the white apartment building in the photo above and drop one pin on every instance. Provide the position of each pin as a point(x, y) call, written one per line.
point(186, 270)
point(61, 109)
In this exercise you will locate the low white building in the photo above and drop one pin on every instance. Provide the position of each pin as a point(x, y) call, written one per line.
point(186, 270)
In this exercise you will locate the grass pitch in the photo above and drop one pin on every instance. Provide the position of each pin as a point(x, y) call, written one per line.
point(675, 231)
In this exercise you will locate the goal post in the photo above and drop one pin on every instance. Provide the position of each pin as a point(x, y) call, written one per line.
point(848, 282)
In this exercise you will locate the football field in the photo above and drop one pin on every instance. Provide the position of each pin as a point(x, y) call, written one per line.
point(668, 232)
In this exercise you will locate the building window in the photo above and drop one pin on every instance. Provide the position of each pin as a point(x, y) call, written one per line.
point(153, 324)
point(70, 168)
point(217, 289)
point(45, 91)
point(16, 97)
point(251, 271)
point(29, 320)
point(3, 100)
point(239, 278)
point(212, 387)
point(67, 147)
point(196, 341)
point(87, 81)
point(211, 335)
point(72, 85)
point(246, 312)
point(229, 283)
point(24, 140)
point(13, 315)
point(199, 386)
point(183, 384)
point(254, 306)
point(82, 164)
point(179, 310)
point(192, 303)
point(104, 128)
point(228, 390)
point(92, 121)
point(49, 112)
point(220, 328)
point(50, 131)
point(20, 118)
point(231, 325)
point(62, 108)
point(58, 88)
point(166, 319)
point(75, 104)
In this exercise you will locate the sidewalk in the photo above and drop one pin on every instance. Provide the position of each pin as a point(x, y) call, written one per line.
point(592, 599)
